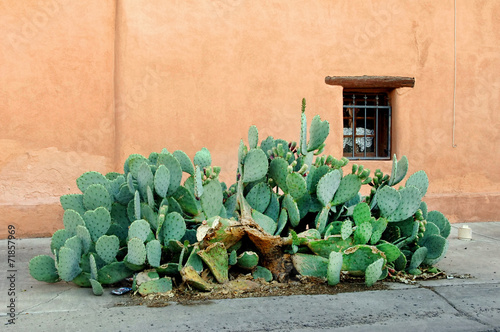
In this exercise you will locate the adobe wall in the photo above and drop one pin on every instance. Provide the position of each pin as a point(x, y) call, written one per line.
point(56, 106)
point(191, 74)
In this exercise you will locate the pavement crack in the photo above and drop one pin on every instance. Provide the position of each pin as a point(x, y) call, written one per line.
point(461, 312)
point(45, 302)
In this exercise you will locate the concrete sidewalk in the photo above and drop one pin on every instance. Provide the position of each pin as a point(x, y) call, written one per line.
point(458, 304)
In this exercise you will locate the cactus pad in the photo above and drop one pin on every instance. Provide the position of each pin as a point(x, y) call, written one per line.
point(43, 268)
point(89, 178)
point(58, 238)
point(96, 196)
point(136, 251)
point(139, 229)
point(259, 197)
point(418, 257)
point(278, 172)
point(373, 272)
point(107, 247)
point(440, 221)
point(203, 158)
point(318, 132)
point(262, 272)
point(184, 161)
point(174, 227)
point(96, 287)
point(419, 180)
point(409, 204)
point(161, 285)
point(437, 247)
point(334, 268)
point(253, 137)
point(174, 168)
point(361, 213)
point(83, 233)
point(348, 188)
point(162, 180)
point(215, 256)
point(363, 233)
point(97, 222)
point(73, 202)
point(292, 209)
point(153, 253)
point(211, 200)
point(255, 166)
point(68, 265)
point(310, 265)
point(296, 185)
point(327, 186)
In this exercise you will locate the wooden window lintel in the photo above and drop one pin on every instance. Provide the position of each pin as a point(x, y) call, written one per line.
point(367, 82)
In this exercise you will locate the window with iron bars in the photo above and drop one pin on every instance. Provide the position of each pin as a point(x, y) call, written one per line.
point(367, 125)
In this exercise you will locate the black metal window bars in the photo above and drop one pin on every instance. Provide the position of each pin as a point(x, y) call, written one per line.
point(367, 125)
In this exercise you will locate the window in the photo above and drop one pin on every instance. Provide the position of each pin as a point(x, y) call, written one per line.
point(367, 125)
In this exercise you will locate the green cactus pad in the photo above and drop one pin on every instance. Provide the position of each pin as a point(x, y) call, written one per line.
point(83, 233)
point(373, 272)
point(136, 251)
point(187, 201)
point(296, 185)
point(197, 183)
point(215, 257)
point(334, 268)
point(162, 285)
point(73, 202)
point(145, 179)
point(437, 246)
point(419, 180)
point(303, 129)
point(58, 239)
point(332, 243)
point(348, 188)
point(71, 220)
point(259, 197)
point(318, 132)
point(423, 208)
point(440, 221)
point(133, 164)
point(174, 227)
point(203, 158)
point(278, 172)
point(74, 243)
point(400, 263)
point(262, 272)
point(346, 229)
point(390, 250)
point(68, 265)
point(310, 265)
point(418, 257)
point(184, 161)
point(255, 166)
point(137, 205)
point(162, 180)
point(82, 280)
point(361, 213)
point(242, 152)
point(273, 209)
point(357, 258)
point(282, 219)
point(175, 169)
point(153, 253)
point(124, 195)
point(363, 233)
point(430, 229)
point(211, 200)
point(96, 287)
point(139, 229)
point(43, 268)
point(292, 209)
point(191, 276)
point(379, 226)
point(399, 170)
point(388, 200)
point(253, 137)
point(267, 224)
point(248, 260)
point(92, 265)
point(96, 196)
point(90, 178)
point(194, 260)
point(107, 247)
point(113, 273)
point(322, 219)
point(327, 186)
point(410, 202)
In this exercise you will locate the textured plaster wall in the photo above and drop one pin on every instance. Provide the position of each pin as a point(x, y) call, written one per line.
point(192, 74)
point(56, 105)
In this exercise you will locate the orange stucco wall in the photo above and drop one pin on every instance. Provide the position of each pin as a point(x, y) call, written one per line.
point(91, 83)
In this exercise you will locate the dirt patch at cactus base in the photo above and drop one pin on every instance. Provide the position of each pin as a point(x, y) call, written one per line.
point(244, 286)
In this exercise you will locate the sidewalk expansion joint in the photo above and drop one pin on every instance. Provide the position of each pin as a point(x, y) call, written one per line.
point(460, 312)
point(45, 302)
